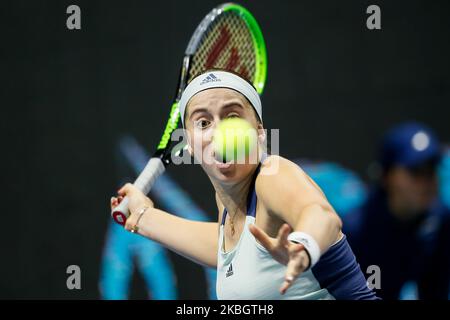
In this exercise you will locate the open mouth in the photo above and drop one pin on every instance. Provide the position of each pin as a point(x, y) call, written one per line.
point(220, 163)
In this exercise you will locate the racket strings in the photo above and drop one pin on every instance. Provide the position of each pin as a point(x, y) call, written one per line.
point(227, 44)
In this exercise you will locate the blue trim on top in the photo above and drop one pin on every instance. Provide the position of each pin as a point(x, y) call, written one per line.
point(251, 210)
point(224, 215)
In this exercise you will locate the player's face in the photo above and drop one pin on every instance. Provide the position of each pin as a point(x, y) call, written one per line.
point(411, 191)
point(204, 112)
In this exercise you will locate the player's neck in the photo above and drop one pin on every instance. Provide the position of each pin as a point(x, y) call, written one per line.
point(234, 195)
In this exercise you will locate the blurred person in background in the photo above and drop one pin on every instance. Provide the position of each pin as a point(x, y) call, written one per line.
point(403, 227)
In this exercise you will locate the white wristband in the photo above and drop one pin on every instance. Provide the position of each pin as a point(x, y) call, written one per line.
point(310, 245)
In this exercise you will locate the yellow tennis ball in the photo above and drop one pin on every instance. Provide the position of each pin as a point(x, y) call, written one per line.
point(234, 139)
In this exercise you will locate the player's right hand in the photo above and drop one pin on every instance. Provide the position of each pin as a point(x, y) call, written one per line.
point(136, 200)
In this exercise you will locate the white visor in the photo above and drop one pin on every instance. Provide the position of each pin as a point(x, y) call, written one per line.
point(219, 79)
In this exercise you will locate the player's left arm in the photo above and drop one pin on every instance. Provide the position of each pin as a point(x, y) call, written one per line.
point(293, 197)
point(290, 195)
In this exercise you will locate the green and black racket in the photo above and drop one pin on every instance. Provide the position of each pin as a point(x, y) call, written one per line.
point(227, 38)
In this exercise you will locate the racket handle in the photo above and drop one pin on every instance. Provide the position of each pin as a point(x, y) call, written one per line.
point(121, 213)
point(154, 168)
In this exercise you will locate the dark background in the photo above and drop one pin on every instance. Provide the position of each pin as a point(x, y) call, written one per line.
point(67, 96)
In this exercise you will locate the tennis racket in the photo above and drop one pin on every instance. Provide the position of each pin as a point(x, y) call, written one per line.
point(227, 38)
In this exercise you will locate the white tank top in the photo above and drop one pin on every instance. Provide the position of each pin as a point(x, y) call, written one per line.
point(249, 272)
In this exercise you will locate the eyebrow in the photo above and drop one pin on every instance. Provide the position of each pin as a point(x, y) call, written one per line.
point(198, 111)
point(225, 106)
point(232, 104)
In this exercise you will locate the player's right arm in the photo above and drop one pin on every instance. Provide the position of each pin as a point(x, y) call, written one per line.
point(194, 240)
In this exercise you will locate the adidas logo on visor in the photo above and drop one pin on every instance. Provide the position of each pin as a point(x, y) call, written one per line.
point(210, 78)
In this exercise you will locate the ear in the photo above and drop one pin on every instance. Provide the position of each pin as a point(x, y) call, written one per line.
point(261, 133)
point(188, 142)
point(189, 149)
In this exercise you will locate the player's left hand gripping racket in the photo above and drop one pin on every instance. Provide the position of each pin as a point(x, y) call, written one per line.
point(228, 38)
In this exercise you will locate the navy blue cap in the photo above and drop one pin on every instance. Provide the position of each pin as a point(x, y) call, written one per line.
point(409, 144)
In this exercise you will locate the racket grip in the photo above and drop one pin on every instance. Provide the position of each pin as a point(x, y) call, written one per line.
point(154, 168)
point(121, 213)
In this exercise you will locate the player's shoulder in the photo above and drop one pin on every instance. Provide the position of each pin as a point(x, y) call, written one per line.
point(274, 165)
point(277, 169)
point(280, 174)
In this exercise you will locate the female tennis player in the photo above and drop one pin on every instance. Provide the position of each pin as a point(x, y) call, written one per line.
point(276, 236)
